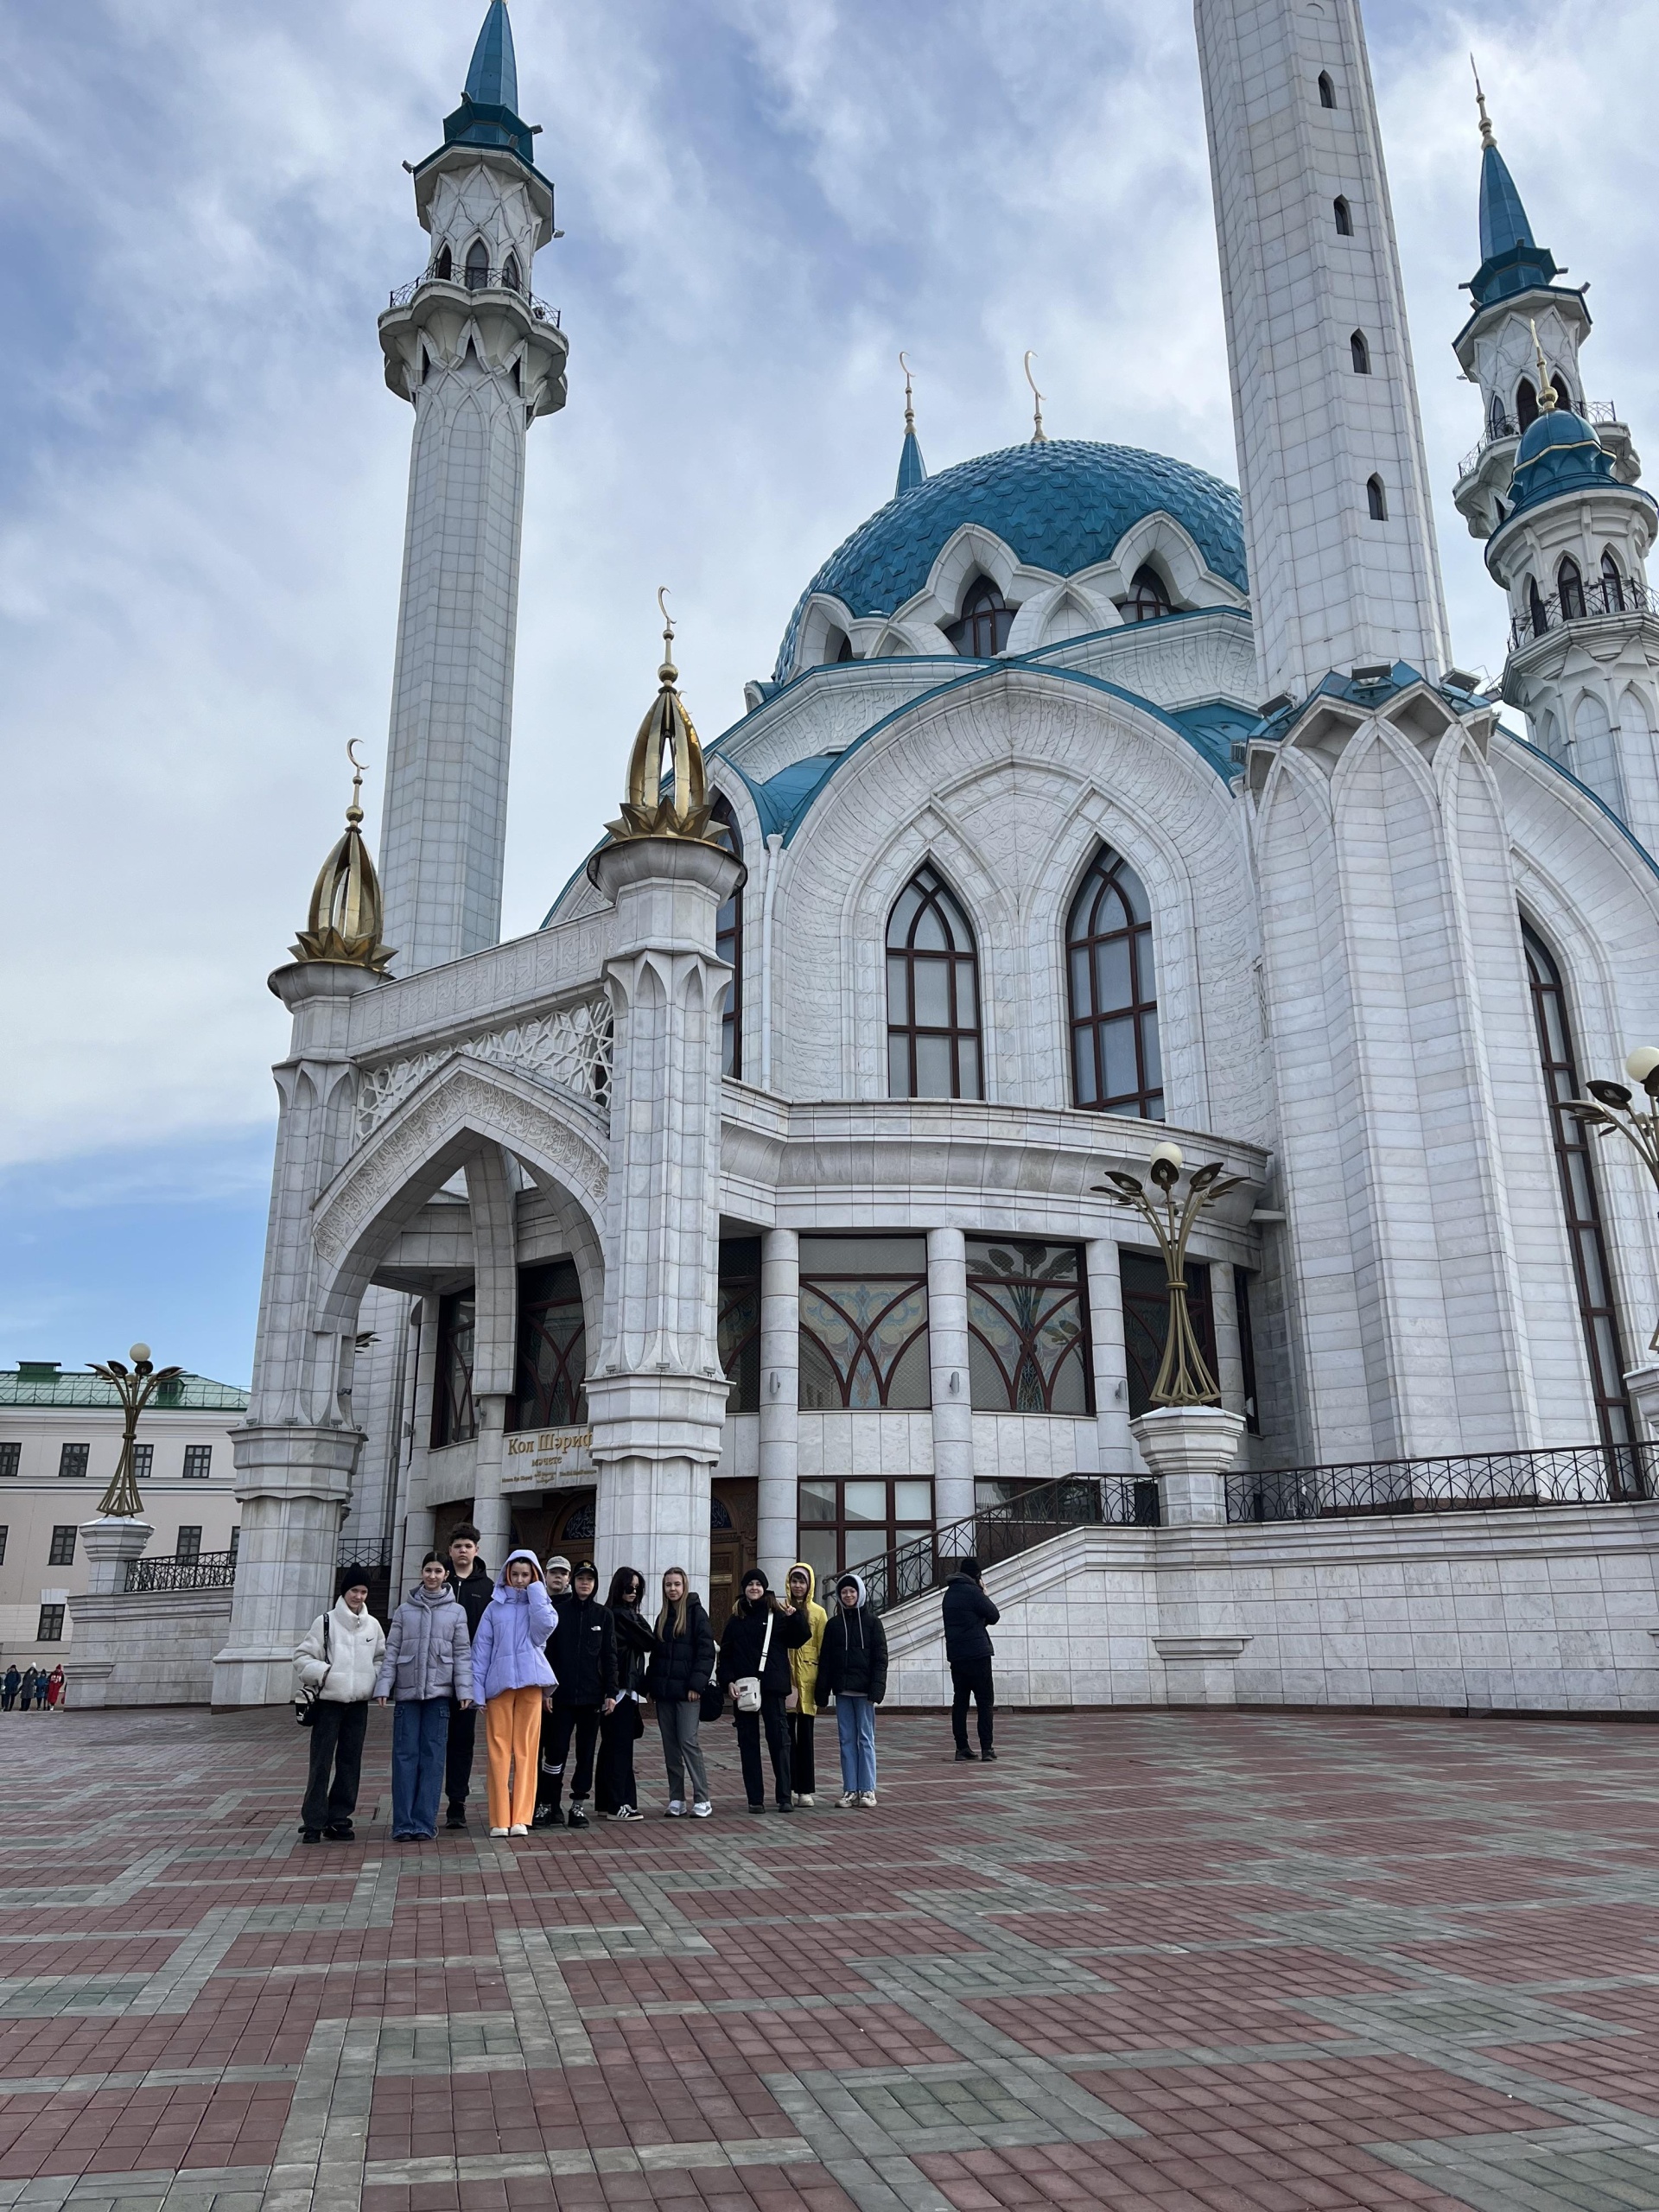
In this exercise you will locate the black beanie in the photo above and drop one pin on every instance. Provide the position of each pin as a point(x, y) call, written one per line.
point(355, 1577)
point(970, 1566)
point(754, 1574)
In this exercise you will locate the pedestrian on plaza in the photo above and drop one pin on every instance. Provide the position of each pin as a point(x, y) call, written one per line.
point(759, 1638)
point(558, 1576)
point(427, 1665)
point(616, 1792)
point(513, 1682)
point(339, 1658)
point(39, 1691)
point(26, 1692)
point(852, 1670)
point(582, 1650)
point(678, 1676)
point(804, 1672)
point(473, 1590)
point(10, 1682)
point(968, 1618)
point(56, 1688)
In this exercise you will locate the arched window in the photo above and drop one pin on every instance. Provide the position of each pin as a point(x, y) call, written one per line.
point(1344, 215)
point(1576, 1167)
point(932, 995)
point(1612, 585)
point(1115, 1064)
point(548, 1388)
point(1569, 589)
point(445, 268)
point(509, 275)
point(1496, 421)
point(729, 945)
point(478, 265)
point(1148, 599)
point(1327, 90)
point(1526, 404)
point(986, 619)
point(1561, 387)
point(1361, 352)
point(837, 646)
point(1537, 612)
point(1377, 500)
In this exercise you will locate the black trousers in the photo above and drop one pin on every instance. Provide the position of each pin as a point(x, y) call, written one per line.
point(748, 1750)
point(337, 1736)
point(802, 1774)
point(971, 1678)
point(556, 1729)
point(458, 1759)
point(617, 1786)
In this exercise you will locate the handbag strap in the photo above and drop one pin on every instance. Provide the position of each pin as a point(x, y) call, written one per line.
point(765, 1644)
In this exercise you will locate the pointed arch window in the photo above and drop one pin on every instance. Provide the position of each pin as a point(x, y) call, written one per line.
point(1148, 599)
point(1581, 1201)
point(1361, 352)
point(982, 631)
point(1327, 90)
point(1569, 589)
point(511, 276)
point(932, 995)
point(1562, 389)
point(1377, 500)
point(1116, 1066)
point(837, 646)
point(1344, 215)
point(1537, 612)
point(444, 269)
point(729, 945)
point(478, 265)
point(1497, 423)
point(1526, 404)
point(1612, 584)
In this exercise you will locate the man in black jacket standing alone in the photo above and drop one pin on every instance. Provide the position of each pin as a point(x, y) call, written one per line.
point(473, 1590)
point(969, 1613)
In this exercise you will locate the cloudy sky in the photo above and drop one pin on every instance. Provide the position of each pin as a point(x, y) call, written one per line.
point(201, 487)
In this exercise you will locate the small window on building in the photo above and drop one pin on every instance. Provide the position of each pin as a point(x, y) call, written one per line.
point(1344, 215)
point(1148, 599)
point(478, 265)
point(1028, 1328)
point(1569, 589)
point(4, 1533)
point(236, 1543)
point(856, 1522)
point(1361, 353)
point(49, 1627)
point(1497, 423)
point(189, 1541)
point(1247, 1348)
point(11, 1458)
point(1116, 1066)
point(62, 1552)
point(143, 1461)
point(1526, 404)
point(729, 945)
point(1562, 389)
point(932, 995)
point(452, 1419)
point(739, 1321)
point(509, 275)
point(1327, 90)
point(73, 1459)
point(1537, 612)
point(1377, 500)
point(552, 1350)
point(1612, 600)
point(863, 1329)
point(986, 619)
point(197, 1462)
point(837, 646)
point(444, 268)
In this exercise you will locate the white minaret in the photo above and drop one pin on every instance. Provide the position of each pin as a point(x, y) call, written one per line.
point(1343, 571)
point(480, 359)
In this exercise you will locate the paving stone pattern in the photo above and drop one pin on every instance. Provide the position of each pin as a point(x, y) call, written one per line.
point(1156, 1962)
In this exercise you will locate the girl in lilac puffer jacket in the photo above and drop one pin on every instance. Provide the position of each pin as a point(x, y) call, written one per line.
point(510, 1677)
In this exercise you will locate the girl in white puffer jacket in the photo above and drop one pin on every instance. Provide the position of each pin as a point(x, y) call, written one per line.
point(339, 1658)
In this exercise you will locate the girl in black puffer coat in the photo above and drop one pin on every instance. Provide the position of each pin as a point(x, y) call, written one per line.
point(679, 1672)
point(746, 1648)
point(615, 1789)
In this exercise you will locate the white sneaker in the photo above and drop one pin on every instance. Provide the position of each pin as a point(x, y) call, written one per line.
point(702, 1809)
point(627, 1813)
point(806, 1798)
point(676, 1808)
point(868, 1797)
point(519, 1828)
point(498, 1831)
point(848, 1798)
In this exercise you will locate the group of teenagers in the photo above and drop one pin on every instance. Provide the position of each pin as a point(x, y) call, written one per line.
point(561, 1680)
point(34, 1687)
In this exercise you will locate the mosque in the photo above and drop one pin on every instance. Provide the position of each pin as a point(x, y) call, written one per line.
point(756, 1203)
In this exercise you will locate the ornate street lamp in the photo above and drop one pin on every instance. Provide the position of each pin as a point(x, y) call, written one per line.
point(121, 1502)
point(1185, 1378)
point(1610, 1106)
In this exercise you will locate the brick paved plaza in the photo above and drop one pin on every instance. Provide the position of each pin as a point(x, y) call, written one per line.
point(1149, 1960)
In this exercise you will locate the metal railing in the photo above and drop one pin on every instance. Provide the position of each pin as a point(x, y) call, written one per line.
point(1592, 410)
point(1589, 601)
point(186, 1571)
point(479, 280)
point(1588, 1474)
point(377, 1552)
point(998, 1532)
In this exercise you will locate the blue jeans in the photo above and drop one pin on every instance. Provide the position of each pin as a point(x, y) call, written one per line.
point(855, 1727)
point(420, 1736)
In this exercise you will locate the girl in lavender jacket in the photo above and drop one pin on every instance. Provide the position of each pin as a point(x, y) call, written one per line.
point(511, 1680)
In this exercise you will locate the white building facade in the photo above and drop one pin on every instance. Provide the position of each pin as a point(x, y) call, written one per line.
point(752, 1206)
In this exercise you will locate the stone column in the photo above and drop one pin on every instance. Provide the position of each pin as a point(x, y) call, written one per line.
point(780, 1392)
point(1190, 1449)
point(412, 1539)
point(1117, 1446)
point(947, 1359)
point(491, 1197)
point(110, 1543)
point(657, 1392)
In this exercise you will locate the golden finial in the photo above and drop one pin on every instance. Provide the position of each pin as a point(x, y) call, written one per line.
point(1039, 436)
point(1488, 137)
point(1547, 394)
point(346, 913)
point(910, 411)
point(675, 803)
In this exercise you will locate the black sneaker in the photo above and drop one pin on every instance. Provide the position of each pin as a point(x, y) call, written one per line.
point(575, 1818)
point(340, 1831)
point(547, 1816)
point(963, 1752)
point(758, 1809)
point(987, 1753)
point(310, 1835)
point(785, 1808)
point(457, 1817)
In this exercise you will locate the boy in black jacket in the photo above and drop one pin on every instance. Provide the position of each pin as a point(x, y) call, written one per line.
point(581, 1652)
point(474, 1589)
point(969, 1613)
point(852, 1670)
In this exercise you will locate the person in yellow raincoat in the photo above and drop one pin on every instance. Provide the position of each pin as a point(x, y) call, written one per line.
point(804, 1671)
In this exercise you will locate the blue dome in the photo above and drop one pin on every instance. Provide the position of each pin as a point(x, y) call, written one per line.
point(1558, 452)
point(1062, 506)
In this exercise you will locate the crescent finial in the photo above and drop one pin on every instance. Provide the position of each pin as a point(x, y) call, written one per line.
point(352, 743)
point(1039, 436)
point(910, 411)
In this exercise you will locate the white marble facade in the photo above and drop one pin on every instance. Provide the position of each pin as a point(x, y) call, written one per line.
point(1338, 845)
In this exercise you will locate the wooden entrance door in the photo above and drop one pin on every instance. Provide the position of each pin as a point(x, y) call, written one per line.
point(731, 1545)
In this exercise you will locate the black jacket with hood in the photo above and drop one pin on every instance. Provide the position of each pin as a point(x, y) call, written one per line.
point(581, 1650)
point(745, 1633)
point(474, 1591)
point(968, 1614)
point(853, 1657)
point(680, 1665)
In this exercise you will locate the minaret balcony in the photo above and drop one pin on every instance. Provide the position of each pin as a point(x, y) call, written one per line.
point(495, 282)
point(1618, 598)
point(1485, 472)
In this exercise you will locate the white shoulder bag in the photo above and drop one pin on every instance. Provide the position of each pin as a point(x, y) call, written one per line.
point(746, 1690)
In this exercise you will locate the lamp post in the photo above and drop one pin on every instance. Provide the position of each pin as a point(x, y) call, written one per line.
point(121, 1502)
point(1183, 1379)
point(1610, 1106)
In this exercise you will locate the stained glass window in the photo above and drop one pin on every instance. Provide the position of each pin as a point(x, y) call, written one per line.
point(863, 1327)
point(454, 1420)
point(932, 995)
point(1145, 1320)
point(1115, 1063)
point(1028, 1329)
point(552, 1350)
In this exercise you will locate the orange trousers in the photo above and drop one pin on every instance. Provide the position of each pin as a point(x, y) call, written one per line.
point(513, 1733)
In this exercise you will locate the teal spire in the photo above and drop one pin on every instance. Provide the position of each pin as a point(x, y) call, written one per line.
point(493, 80)
point(1510, 260)
point(1503, 225)
point(913, 469)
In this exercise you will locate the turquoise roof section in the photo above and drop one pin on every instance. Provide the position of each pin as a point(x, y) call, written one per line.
point(1559, 454)
point(493, 80)
point(913, 469)
point(1062, 506)
point(1510, 261)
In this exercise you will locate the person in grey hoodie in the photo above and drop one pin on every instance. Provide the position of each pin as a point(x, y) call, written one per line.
point(428, 1660)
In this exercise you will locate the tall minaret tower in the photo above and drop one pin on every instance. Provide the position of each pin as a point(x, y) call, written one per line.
point(479, 358)
point(1343, 571)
